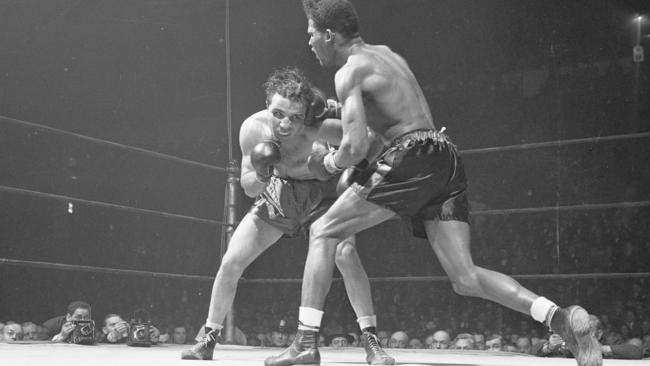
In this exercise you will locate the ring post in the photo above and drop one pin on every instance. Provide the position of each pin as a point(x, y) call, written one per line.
point(231, 205)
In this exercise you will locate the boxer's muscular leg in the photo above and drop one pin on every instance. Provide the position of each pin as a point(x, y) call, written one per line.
point(357, 287)
point(355, 278)
point(349, 215)
point(451, 242)
point(252, 237)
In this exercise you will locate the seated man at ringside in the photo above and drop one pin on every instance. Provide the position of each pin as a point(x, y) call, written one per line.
point(59, 328)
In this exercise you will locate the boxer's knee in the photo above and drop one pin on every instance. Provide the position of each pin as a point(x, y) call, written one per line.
point(231, 267)
point(324, 231)
point(317, 230)
point(346, 255)
point(467, 283)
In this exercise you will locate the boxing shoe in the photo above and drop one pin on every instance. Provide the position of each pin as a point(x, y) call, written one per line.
point(572, 324)
point(375, 355)
point(204, 349)
point(303, 351)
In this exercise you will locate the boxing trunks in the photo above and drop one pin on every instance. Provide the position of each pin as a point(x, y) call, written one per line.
point(420, 177)
point(292, 205)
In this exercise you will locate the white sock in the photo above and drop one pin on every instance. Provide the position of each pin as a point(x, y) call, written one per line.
point(212, 325)
point(541, 309)
point(367, 321)
point(309, 318)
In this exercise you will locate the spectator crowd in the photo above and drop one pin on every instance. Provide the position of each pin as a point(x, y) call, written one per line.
point(412, 315)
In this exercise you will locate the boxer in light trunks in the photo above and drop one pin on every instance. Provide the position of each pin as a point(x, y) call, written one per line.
point(275, 144)
point(420, 176)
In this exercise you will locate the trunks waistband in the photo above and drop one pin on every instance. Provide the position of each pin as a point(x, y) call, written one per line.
point(415, 136)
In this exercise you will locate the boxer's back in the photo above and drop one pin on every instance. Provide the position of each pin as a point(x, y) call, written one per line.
point(393, 100)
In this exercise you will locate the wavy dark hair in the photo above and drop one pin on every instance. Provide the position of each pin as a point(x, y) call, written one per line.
point(290, 83)
point(77, 305)
point(337, 15)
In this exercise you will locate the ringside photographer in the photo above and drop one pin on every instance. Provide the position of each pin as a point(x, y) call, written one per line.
point(76, 326)
point(118, 330)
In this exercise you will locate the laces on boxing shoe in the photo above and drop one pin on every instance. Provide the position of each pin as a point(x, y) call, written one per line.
point(303, 351)
point(211, 338)
point(373, 342)
point(375, 355)
point(204, 349)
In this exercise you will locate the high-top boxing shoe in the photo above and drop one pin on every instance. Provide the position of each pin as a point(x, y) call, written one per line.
point(572, 324)
point(375, 355)
point(303, 351)
point(204, 349)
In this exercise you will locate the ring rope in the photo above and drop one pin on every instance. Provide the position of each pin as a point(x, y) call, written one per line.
point(507, 211)
point(114, 144)
point(111, 205)
point(76, 267)
point(95, 269)
point(587, 206)
point(558, 143)
point(533, 145)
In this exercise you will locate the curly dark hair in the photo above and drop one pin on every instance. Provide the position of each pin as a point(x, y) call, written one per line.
point(337, 15)
point(77, 305)
point(290, 83)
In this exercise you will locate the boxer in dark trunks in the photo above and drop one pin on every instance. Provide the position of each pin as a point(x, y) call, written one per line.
point(275, 144)
point(420, 176)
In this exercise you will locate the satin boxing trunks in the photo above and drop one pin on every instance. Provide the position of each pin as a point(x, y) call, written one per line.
point(420, 177)
point(292, 205)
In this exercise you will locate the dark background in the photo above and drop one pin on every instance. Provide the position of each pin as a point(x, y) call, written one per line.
point(152, 74)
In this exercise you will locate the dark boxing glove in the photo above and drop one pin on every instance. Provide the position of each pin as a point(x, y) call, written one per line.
point(349, 175)
point(321, 163)
point(322, 108)
point(263, 157)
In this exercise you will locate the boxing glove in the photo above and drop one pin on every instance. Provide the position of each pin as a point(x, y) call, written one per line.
point(263, 156)
point(322, 108)
point(349, 175)
point(321, 164)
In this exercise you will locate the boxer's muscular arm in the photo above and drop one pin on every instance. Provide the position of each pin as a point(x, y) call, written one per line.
point(251, 133)
point(331, 132)
point(354, 143)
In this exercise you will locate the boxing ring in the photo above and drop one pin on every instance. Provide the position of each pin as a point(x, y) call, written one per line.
point(167, 355)
point(39, 353)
